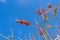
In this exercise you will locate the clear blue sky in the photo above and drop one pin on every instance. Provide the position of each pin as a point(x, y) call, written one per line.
point(10, 10)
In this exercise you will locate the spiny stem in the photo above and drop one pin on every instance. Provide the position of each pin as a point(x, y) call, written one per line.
point(48, 36)
point(4, 37)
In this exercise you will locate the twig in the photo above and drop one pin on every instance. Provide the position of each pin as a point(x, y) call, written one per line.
point(4, 37)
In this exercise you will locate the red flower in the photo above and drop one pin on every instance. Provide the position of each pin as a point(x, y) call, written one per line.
point(40, 31)
point(23, 22)
point(39, 12)
point(50, 6)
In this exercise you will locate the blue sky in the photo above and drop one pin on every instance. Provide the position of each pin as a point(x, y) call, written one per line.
point(10, 10)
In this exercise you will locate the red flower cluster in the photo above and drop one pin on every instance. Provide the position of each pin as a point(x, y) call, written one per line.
point(50, 6)
point(39, 12)
point(40, 31)
point(23, 22)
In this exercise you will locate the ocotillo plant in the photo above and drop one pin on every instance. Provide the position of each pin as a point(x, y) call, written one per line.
point(40, 30)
